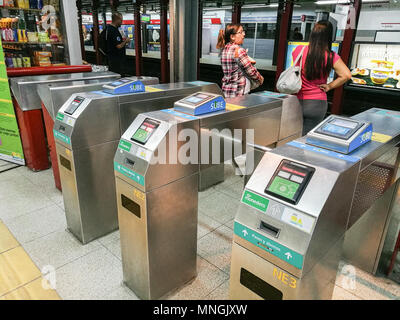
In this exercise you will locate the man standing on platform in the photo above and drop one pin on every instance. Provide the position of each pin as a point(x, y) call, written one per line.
point(116, 51)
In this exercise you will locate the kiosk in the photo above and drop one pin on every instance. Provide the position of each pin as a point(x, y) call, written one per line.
point(87, 131)
point(158, 166)
point(295, 211)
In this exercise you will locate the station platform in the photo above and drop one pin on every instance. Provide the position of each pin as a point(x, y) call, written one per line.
point(35, 246)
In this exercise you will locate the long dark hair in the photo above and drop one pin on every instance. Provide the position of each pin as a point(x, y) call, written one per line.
point(320, 44)
point(224, 36)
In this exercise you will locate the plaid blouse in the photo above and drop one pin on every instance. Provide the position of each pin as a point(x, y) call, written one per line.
point(236, 70)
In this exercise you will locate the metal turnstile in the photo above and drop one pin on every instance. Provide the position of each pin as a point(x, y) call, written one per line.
point(87, 131)
point(28, 109)
point(53, 96)
point(157, 180)
point(298, 207)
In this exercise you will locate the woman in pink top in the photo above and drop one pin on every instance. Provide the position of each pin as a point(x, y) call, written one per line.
point(318, 61)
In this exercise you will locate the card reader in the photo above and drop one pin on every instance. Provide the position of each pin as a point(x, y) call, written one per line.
point(124, 86)
point(289, 181)
point(340, 134)
point(201, 103)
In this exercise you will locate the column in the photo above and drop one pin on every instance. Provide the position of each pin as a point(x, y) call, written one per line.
point(164, 40)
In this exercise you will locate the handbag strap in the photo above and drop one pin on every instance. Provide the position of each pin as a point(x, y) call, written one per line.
point(300, 56)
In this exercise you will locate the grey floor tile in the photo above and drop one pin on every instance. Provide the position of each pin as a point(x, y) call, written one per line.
point(342, 294)
point(113, 236)
point(58, 249)
point(216, 248)
point(61, 205)
point(206, 225)
point(11, 174)
point(37, 224)
point(121, 293)
point(220, 293)
point(220, 207)
point(208, 278)
point(22, 203)
point(19, 185)
point(53, 194)
point(203, 195)
point(234, 190)
point(115, 248)
point(43, 178)
point(230, 224)
point(94, 276)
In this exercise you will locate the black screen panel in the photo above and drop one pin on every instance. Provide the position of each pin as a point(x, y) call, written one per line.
point(130, 205)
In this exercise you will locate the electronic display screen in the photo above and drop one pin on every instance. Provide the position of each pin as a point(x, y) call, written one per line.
point(196, 99)
point(331, 128)
point(74, 105)
point(283, 187)
point(344, 123)
point(339, 128)
point(119, 82)
point(147, 128)
point(289, 181)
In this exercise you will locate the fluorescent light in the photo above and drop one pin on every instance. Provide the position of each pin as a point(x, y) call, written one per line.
point(323, 2)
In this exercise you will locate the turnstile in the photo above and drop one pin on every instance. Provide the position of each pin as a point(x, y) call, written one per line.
point(87, 131)
point(53, 96)
point(158, 166)
point(298, 207)
point(28, 110)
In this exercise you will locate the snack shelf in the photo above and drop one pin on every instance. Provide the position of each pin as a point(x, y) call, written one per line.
point(24, 9)
point(32, 43)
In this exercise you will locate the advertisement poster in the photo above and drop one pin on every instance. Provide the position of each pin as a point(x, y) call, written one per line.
point(292, 45)
point(10, 141)
point(376, 66)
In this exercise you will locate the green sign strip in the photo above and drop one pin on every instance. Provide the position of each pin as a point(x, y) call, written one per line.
point(60, 117)
point(10, 140)
point(129, 173)
point(61, 137)
point(255, 201)
point(125, 145)
point(272, 247)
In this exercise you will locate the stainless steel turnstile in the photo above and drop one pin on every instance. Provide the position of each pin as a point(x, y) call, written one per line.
point(53, 97)
point(302, 204)
point(86, 141)
point(28, 110)
point(157, 194)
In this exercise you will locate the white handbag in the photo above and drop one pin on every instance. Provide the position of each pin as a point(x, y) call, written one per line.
point(289, 81)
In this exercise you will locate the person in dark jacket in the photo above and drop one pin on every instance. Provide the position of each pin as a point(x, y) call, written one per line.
point(116, 51)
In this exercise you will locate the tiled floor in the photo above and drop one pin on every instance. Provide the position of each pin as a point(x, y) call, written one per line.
point(33, 211)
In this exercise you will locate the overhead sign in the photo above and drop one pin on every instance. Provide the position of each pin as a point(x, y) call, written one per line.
point(10, 140)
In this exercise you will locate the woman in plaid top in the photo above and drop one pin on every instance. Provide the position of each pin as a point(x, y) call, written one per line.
point(237, 66)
